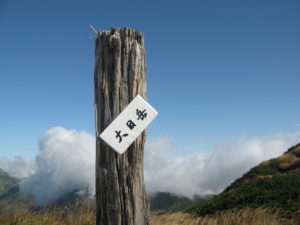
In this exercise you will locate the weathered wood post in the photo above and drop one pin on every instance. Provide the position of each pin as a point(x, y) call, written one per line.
point(120, 75)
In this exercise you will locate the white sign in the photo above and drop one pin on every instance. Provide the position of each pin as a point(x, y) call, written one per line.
point(129, 124)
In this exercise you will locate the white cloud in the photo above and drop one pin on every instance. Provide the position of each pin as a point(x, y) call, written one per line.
point(18, 166)
point(199, 173)
point(65, 163)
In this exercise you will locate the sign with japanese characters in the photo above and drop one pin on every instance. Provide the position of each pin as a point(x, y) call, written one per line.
point(131, 122)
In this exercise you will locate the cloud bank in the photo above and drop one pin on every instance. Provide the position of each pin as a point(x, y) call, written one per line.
point(66, 162)
point(210, 172)
point(18, 166)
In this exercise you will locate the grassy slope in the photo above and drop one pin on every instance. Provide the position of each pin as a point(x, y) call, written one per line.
point(274, 184)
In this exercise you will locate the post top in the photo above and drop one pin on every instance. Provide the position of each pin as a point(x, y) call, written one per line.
point(123, 32)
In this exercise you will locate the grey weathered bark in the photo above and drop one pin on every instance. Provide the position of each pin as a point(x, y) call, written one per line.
point(120, 75)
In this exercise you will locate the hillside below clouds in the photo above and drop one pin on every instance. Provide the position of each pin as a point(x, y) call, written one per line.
point(6, 182)
point(11, 199)
point(274, 183)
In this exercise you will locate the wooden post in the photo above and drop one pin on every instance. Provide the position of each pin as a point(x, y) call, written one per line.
point(120, 75)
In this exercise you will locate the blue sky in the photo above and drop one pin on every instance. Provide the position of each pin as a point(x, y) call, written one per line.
point(217, 70)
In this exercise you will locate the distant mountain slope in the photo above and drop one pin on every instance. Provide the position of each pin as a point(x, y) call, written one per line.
point(6, 182)
point(169, 202)
point(274, 184)
point(69, 201)
point(11, 199)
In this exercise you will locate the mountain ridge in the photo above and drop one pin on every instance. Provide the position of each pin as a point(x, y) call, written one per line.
point(274, 183)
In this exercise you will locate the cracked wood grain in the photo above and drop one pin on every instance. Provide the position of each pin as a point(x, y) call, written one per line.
point(120, 75)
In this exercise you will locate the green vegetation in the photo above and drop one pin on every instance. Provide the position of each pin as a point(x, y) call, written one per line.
point(165, 201)
point(10, 197)
point(272, 184)
point(268, 194)
point(6, 182)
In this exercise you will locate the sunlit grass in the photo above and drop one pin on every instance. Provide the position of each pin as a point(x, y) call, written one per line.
point(242, 217)
point(84, 214)
point(80, 214)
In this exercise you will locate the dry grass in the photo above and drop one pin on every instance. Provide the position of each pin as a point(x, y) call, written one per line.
point(244, 217)
point(80, 214)
point(265, 163)
point(85, 215)
point(296, 151)
point(288, 160)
